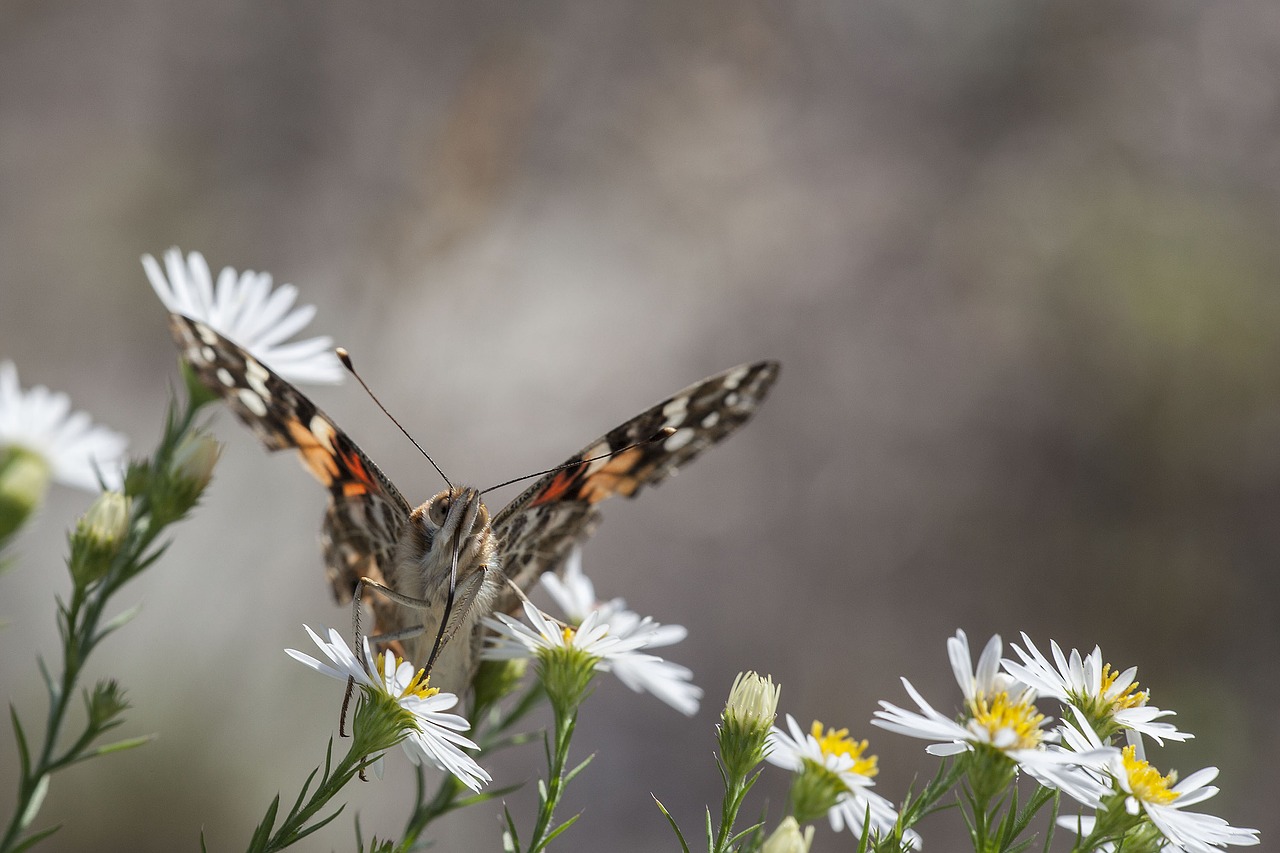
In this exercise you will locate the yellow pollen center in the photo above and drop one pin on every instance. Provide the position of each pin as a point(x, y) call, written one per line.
point(1132, 697)
point(1145, 781)
point(568, 633)
point(419, 685)
point(838, 742)
point(999, 714)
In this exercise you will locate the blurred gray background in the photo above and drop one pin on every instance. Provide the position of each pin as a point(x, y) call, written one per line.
point(1019, 260)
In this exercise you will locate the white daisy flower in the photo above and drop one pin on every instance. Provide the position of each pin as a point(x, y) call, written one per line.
point(840, 758)
point(999, 714)
point(515, 640)
point(434, 735)
point(1161, 799)
point(244, 309)
point(41, 422)
point(670, 682)
point(1110, 700)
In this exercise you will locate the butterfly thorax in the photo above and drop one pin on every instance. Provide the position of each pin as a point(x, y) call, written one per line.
point(448, 541)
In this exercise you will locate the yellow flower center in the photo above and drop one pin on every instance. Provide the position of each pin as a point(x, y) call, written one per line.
point(838, 742)
point(1145, 781)
point(1132, 697)
point(568, 633)
point(419, 685)
point(1002, 717)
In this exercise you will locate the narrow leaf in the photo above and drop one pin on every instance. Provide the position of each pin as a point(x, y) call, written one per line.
point(35, 838)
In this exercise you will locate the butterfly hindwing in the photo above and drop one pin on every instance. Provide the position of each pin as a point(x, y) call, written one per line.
point(543, 522)
point(366, 511)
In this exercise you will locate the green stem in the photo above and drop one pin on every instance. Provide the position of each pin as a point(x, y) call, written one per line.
point(565, 722)
point(735, 792)
point(81, 620)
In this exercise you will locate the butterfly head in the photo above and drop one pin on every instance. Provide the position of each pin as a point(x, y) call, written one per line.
point(453, 522)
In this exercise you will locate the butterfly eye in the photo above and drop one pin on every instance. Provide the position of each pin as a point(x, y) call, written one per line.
point(439, 509)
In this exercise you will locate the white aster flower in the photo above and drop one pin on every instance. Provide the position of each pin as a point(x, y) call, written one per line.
point(41, 422)
point(644, 673)
point(1109, 699)
point(1161, 799)
point(244, 309)
point(999, 712)
point(1164, 805)
point(515, 640)
point(841, 760)
point(433, 736)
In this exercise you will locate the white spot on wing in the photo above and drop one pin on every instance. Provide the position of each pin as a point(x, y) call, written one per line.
point(206, 334)
point(731, 399)
point(252, 402)
point(734, 379)
point(710, 420)
point(323, 432)
point(674, 412)
point(208, 355)
point(225, 377)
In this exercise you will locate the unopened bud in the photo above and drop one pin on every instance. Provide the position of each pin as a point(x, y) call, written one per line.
point(98, 537)
point(788, 838)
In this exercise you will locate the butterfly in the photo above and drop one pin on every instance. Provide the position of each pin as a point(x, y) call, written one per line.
point(440, 566)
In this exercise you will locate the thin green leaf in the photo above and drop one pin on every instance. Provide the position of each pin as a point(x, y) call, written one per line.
point(50, 687)
point(553, 833)
point(263, 832)
point(119, 746)
point(35, 838)
point(306, 784)
point(671, 820)
point(24, 757)
point(575, 771)
point(511, 838)
point(744, 833)
point(120, 620)
point(303, 833)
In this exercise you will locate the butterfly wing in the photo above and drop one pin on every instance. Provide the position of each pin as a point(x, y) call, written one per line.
point(366, 511)
point(540, 527)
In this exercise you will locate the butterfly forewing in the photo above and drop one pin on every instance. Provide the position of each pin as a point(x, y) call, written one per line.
point(366, 511)
point(698, 417)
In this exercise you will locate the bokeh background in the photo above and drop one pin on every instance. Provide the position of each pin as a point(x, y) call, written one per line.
point(1019, 260)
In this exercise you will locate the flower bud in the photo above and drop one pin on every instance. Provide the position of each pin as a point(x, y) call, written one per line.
point(98, 537)
point(194, 459)
point(745, 724)
point(787, 838)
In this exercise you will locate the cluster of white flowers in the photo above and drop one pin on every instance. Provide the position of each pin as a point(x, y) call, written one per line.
point(1077, 757)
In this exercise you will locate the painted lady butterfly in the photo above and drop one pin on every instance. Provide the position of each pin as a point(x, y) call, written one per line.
point(447, 555)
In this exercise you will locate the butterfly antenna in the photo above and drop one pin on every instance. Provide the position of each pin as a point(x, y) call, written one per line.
point(664, 433)
point(345, 358)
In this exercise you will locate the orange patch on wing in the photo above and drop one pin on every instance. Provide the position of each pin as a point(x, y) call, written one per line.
point(557, 488)
point(615, 477)
point(316, 458)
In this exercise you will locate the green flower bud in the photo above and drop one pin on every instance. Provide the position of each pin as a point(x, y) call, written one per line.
point(98, 537)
